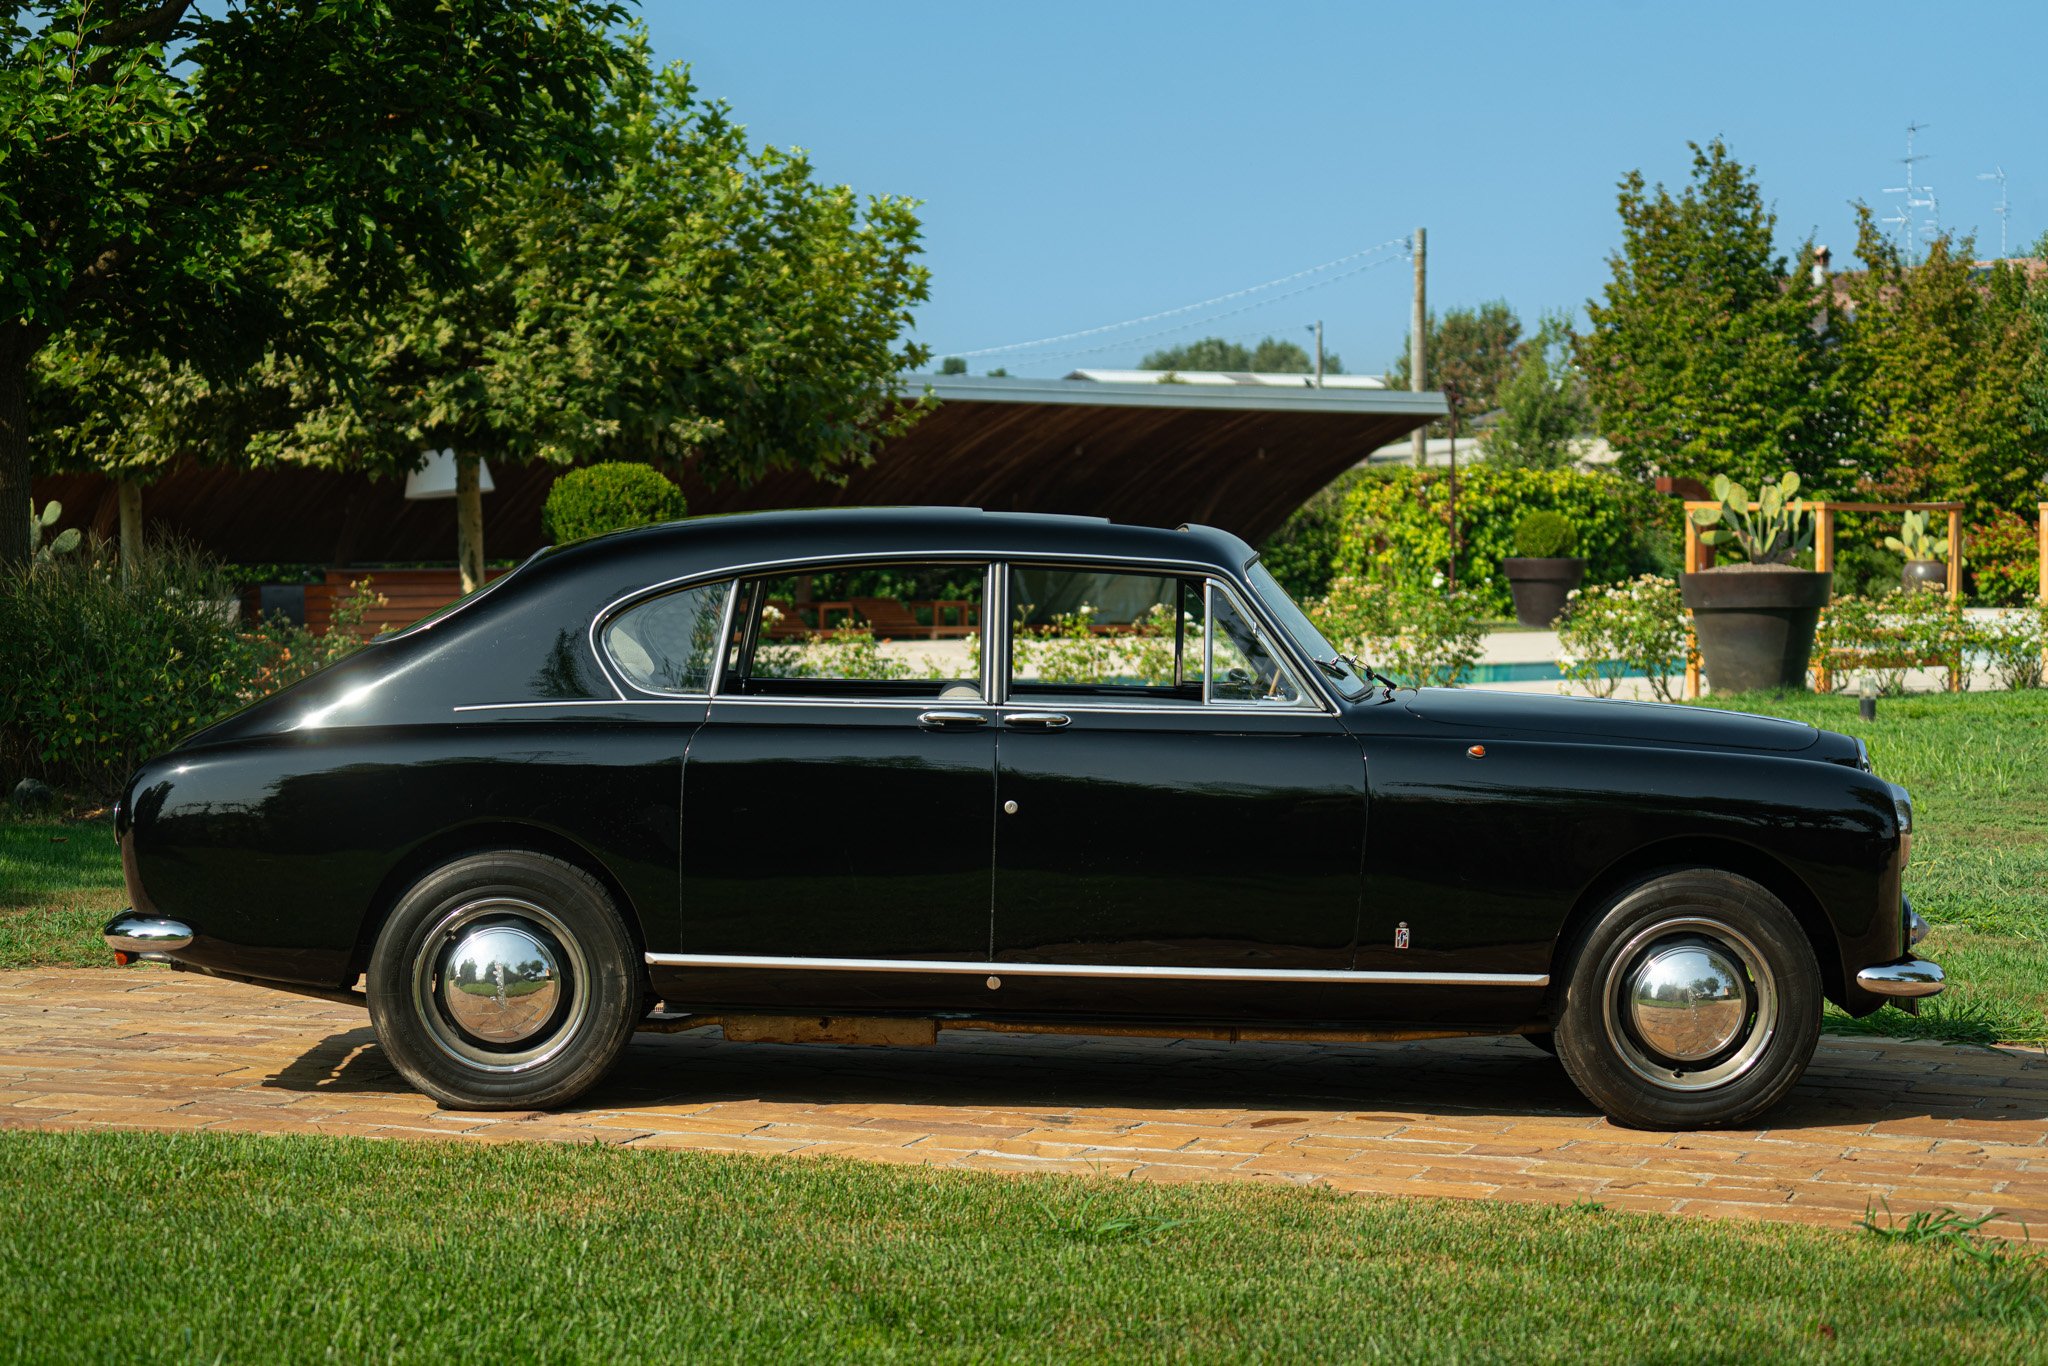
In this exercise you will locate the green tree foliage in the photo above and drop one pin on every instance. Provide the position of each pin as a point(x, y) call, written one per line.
point(1474, 351)
point(687, 298)
point(1942, 362)
point(1302, 554)
point(1396, 524)
point(1542, 407)
point(1707, 354)
point(1272, 356)
point(609, 497)
point(953, 365)
point(151, 149)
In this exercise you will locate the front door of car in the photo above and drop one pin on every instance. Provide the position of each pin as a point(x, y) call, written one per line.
point(1171, 795)
point(838, 799)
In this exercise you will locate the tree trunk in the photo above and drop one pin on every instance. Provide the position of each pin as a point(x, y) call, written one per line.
point(129, 492)
point(14, 467)
point(469, 521)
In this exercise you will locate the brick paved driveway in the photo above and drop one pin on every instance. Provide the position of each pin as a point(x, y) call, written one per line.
point(1921, 1125)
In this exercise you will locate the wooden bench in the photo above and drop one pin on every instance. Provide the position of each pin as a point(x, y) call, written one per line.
point(408, 594)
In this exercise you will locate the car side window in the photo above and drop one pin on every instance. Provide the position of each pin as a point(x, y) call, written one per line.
point(1109, 634)
point(885, 631)
point(668, 644)
point(1244, 665)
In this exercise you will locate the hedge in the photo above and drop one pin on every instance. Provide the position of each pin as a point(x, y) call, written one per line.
point(613, 496)
point(1398, 522)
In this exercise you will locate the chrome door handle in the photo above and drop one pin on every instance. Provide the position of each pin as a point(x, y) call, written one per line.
point(939, 720)
point(1044, 720)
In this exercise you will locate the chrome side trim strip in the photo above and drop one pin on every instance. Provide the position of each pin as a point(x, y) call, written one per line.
point(1456, 979)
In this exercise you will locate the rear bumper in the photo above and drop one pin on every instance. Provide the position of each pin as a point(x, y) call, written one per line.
point(1908, 979)
point(155, 937)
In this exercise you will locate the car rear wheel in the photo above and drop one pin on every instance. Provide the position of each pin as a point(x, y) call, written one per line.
point(504, 980)
point(1693, 1001)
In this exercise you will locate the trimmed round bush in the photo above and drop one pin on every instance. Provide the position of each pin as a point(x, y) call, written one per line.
point(609, 497)
point(1545, 535)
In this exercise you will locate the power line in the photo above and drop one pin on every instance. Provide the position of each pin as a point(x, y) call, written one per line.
point(1184, 308)
point(1183, 326)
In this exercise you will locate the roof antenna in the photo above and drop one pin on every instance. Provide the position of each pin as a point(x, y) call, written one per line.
point(1997, 173)
point(1916, 197)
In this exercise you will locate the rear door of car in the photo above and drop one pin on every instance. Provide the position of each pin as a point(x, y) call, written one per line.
point(838, 800)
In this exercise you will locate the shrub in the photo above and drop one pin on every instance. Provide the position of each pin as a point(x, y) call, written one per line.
point(1611, 631)
point(1302, 554)
point(100, 669)
point(609, 497)
point(2012, 646)
point(1545, 535)
point(2004, 559)
point(1416, 633)
point(1397, 524)
point(1884, 638)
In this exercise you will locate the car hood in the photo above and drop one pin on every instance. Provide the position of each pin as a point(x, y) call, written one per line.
point(1614, 722)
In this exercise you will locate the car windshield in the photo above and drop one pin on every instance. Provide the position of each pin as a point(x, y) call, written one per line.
point(1295, 622)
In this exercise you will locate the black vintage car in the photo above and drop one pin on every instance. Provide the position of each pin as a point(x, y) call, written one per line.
point(864, 775)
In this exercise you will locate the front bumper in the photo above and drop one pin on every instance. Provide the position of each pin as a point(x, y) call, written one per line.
point(1908, 979)
point(152, 937)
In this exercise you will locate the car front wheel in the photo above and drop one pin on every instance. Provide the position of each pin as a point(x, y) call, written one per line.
point(504, 980)
point(1693, 1001)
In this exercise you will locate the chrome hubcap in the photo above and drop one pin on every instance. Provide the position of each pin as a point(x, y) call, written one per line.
point(500, 984)
point(1688, 1001)
point(1690, 1004)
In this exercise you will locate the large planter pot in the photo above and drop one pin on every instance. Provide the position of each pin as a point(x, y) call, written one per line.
point(1924, 574)
point(1755, 625)
point(1541, 586)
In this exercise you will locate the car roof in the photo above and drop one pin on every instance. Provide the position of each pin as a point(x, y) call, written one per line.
point(829, 533)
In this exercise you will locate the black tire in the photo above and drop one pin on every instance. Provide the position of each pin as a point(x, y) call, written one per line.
point(576, 1018)
point(1646, 1065)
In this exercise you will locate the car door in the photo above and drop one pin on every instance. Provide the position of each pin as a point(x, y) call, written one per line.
point(838, 799)
point(1166, 807)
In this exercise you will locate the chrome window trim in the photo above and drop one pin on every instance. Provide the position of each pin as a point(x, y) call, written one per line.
point(616, 675)
point(998, 563)
point(1177, 974)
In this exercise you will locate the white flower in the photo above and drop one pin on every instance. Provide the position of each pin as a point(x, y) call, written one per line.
point(1436, 581)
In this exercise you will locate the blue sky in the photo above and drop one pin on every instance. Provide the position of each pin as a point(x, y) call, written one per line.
point(1081, 164)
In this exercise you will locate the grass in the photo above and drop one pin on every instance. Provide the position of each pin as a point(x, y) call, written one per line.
point(1977, 766)
point(60, 882)
point(225, 1247)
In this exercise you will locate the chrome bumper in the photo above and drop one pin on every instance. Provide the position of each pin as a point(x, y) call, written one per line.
point(1908, 979)
point(133, 936)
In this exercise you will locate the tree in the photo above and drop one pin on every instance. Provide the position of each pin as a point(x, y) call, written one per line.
point(683, 299)
point(151, 149)
point(1472, 352)
point(953, 365)
point(1542, 406)
point(1708, 356)
point(1272, 356)
point(1942, 365)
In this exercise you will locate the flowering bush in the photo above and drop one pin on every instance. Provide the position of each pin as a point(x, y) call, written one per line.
point(1885, 638)
point(1611, 631)
point(1075, 648)
point(1413, 631)
point(2012, 646)
point(844, 652)
point(2004, 559)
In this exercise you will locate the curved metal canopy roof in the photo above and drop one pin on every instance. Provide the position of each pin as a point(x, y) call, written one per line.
point(1236, 457)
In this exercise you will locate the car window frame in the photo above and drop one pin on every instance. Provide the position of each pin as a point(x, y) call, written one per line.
point(759, 574)
point(616, 672)
point(1313, 698)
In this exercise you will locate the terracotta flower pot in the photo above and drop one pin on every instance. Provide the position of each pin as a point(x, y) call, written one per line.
point(1540, 586)
point(1755, 625)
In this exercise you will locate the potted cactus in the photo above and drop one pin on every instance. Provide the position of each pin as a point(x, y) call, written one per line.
point(1926, 555)
point(1755, 619)
point(1543, 570)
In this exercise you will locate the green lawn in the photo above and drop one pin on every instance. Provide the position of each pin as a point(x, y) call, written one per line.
point(223, 1247)
point(1977, 766)
point(60, 882)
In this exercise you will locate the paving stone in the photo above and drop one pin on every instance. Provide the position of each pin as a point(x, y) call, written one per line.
point(1915, 1125)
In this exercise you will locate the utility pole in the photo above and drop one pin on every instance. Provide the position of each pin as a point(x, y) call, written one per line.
point(1418, 335)
point(1319, 353)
